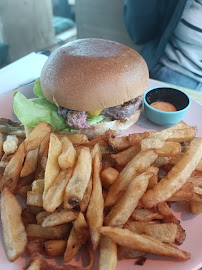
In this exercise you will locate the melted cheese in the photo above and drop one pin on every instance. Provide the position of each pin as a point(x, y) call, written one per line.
point(94, 113)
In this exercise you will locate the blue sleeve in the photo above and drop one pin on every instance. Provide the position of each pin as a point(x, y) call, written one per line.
point(142, 19)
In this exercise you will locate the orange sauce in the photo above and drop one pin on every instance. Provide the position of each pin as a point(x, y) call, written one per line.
point(163, 106)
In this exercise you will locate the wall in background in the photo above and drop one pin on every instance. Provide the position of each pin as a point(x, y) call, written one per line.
point(26, 26)
point(102, 19)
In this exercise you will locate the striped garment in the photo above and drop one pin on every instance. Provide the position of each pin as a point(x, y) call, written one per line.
point(183, 53)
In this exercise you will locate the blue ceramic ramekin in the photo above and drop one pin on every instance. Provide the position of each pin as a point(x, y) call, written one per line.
point(176, 97)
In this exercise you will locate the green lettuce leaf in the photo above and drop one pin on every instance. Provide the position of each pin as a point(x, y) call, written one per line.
point(37, 89)
point(31, 113)
point(95, 119)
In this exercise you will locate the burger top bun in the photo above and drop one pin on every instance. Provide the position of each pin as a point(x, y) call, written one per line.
point(92, 74)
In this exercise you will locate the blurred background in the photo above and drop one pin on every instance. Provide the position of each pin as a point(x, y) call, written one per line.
point(41, 26)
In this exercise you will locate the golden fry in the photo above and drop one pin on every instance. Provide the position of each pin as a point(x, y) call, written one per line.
point(14, 235)
point(55, 195)
point(56, 232)
point(138, 164)
point(182, 135)
point(30, 164)
point(125, 206)
point(55, 248)
point(78, 183)
point(73, 246)
point(122, 158)
point(95, 209)
point(86, 198)
point(67, 158)
point(58, 218)
point(176, 177)
point(108, 254)
point(108, 176)
point(12, 172)
point(145, 243)
point(52, 167)
point(10, 145)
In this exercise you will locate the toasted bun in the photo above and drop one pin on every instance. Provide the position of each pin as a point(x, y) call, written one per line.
point(92, 74)
point(118, 125)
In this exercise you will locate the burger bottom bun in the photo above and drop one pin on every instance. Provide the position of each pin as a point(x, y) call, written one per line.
point(118, 125)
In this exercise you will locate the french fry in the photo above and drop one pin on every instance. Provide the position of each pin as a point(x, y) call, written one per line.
point(182, 135)
point(67, 158)
point(38, 185)
point(156, 139)
point(136, 138)
point(119, 143)
point(180, 236)
point(14, 235)
point(56, 232)
point(122, 158)
point(10, 127)
point(55, 248)
point(107, 161)
point(96, 150)
point(198, 190)
point(78, 183)
point(196, 178)
point(55, 195)
point(35, 198)
point(81, 227)
point(125, 206)
point(140, 162)
point(77, 139)
point(142, 214)
point(169, 149)
point(196, 207)
point(58, 218)
point(108, 176)
point(138, 226)
point(145, 243)
point(161, 161)
point(38, 262)
point(185, 193)
point(10, 145)
point(73, 246)
point(165, 232)
point(42, 155)
point(128, 253)
point(177, 176)
point(95, 208)
point(164, 209)
point(41, 216)
point(35, 138)
point(86, 198)
point(52, 167)
point(154, 179)
point(199, 166)
point(12, 171)
point(108, 254)
point(30, 164)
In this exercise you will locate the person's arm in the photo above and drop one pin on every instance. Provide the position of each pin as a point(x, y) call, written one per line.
point(142, 19)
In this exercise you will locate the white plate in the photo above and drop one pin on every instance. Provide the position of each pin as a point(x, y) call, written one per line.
point(191, 223)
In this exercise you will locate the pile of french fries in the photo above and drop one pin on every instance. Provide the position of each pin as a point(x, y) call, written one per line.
point(111, 194)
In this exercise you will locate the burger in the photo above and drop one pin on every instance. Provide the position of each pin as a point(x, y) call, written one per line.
point(87, 86)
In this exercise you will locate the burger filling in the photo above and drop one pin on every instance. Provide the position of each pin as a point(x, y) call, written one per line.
point(33, 111)
point(79, 120)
